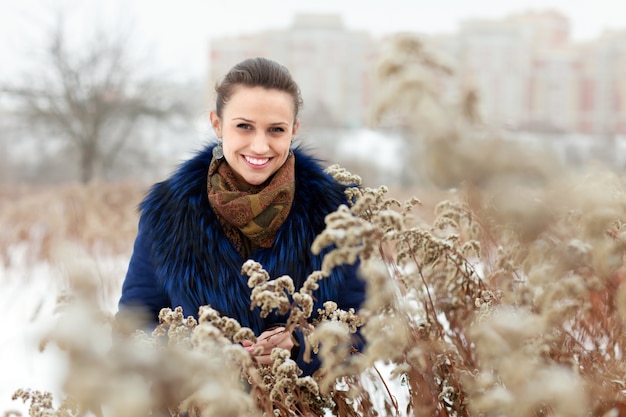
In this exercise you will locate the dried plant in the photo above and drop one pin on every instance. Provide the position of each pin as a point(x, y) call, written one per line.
point(101, 216)
point(519, 273)
point(506, 298)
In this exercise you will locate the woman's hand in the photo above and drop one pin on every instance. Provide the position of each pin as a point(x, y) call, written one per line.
point(276, 337)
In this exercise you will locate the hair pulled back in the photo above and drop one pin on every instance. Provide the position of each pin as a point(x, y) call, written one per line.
point(257, 72)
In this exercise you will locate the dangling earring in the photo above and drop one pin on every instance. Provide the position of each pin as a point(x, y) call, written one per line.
point(218, 150)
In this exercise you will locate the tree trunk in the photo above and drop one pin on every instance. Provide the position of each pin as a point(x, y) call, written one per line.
point(87, 163)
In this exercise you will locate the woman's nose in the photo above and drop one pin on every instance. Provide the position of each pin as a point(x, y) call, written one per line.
point(260, 143)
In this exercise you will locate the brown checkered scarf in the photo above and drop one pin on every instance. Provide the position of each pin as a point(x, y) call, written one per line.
point(251, 218)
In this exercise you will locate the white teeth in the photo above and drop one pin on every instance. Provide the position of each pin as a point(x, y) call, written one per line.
point(257, 161)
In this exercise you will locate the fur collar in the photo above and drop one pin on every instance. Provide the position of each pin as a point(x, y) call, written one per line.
point(197, 264)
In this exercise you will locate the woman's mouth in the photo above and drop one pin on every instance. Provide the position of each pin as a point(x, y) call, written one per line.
point(257, 162)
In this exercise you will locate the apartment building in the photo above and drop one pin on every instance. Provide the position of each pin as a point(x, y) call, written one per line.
point(495, 58)
point(528, 73)
point(332, 65)
point(603, 85)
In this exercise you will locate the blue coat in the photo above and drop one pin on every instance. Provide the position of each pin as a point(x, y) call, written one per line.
point(182, 258)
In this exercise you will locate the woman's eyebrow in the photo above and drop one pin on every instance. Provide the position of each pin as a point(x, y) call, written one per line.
point(244, 119)
point(251, 121)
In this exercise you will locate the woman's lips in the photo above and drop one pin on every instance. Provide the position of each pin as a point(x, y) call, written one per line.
point(256, 162)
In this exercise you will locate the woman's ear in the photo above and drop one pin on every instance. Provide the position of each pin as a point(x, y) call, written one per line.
point(216, 123)
point(296, 126)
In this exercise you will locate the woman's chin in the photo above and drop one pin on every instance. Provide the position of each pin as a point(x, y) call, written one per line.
point(255, 179)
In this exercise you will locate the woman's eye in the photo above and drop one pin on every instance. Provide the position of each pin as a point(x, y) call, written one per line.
point(277, 130)
point(243, 126)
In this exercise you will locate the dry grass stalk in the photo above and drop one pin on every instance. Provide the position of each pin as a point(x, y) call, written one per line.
point(476, 315)
point(545, 243)
point(100, 216)
point(507, 300)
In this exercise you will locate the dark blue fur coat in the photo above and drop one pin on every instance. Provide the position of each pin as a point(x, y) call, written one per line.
point(182, 258)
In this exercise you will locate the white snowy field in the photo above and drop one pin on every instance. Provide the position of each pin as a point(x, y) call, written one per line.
point(29, 296)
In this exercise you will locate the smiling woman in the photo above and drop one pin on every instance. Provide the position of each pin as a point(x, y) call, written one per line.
point(258, 127)
point(252, 196)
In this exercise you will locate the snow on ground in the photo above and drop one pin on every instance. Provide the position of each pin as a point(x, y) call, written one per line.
point(28, 293)
point(28, 297)
point(384, 151)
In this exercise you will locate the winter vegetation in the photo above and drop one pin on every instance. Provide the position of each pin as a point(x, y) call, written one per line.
point(498, 289)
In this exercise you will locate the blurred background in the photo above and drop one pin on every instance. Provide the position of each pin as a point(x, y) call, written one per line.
point(116, 90)
point(99, 99)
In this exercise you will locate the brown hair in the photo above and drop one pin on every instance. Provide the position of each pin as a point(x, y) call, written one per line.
point(257, 72)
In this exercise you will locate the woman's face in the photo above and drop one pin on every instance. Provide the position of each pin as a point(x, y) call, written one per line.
point(256, 127)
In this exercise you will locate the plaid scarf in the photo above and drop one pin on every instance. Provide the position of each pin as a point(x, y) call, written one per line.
point(251, 218)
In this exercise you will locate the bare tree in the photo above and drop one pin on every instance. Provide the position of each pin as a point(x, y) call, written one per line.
point(92, 96)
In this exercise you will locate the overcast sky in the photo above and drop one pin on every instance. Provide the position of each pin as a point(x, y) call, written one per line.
point(178, 31)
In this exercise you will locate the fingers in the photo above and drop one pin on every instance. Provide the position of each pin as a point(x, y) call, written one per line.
point(266, 342)
point(281, 339)
point(265, 345)
point(275, 338)
point(264, 359)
